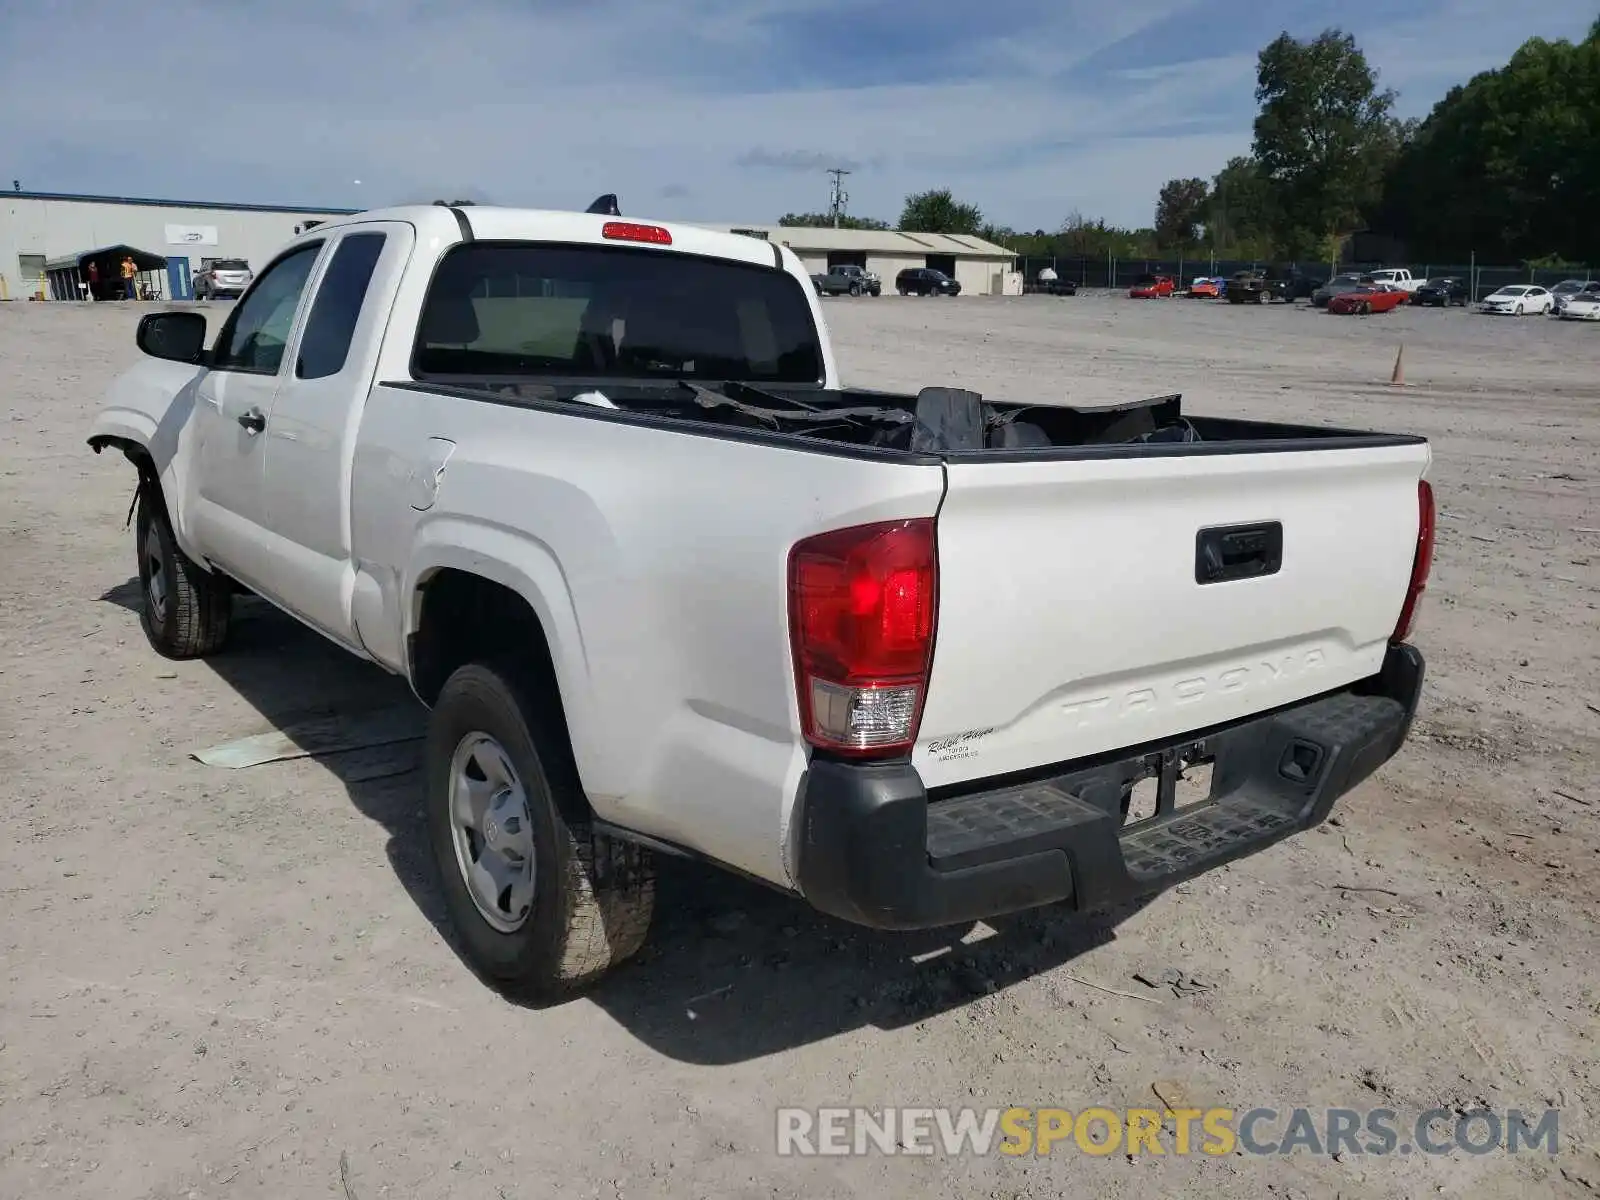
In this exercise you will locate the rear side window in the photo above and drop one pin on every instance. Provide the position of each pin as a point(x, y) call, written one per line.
point(519, 308)
point(325, 344)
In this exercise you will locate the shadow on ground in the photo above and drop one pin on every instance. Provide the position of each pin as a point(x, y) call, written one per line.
point(733, 971)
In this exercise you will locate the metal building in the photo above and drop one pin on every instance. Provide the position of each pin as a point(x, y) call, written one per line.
point(980, 267)
point(42, 234)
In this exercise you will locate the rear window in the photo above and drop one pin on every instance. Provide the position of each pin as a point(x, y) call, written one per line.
point(611, 311)
point(230, 264)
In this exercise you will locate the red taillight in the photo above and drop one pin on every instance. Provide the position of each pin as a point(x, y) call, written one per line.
point(862, 606)
point(1421, 564)
point(632, 231)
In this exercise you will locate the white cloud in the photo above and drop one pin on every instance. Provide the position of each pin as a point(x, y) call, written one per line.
point(699, 109)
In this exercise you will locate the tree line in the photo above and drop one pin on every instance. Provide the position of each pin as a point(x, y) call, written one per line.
point(1506, 166)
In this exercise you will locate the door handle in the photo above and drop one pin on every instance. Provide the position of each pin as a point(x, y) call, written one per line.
point(1222, 553)
point(253, 421)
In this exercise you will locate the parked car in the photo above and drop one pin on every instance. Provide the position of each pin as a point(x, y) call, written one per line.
point(1398, 277)
point(1263, 285)
point(1517, 299)
point(443, 475)
point(925, 281)
point(1585, 306)
point(1202, 287)
point(848, 280)
point(1367, 299)
point(1442, 291)
point(1249, 287)
point(1569, 289)
point(1058, 286)
point(1152, 287)
point(1346, 282)
point(222, 278)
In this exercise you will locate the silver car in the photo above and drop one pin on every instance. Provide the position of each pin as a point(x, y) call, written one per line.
point(222, 277)
point(1568, 289)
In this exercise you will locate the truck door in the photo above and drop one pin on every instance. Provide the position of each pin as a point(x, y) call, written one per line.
point(311, 431)
point(232, 401)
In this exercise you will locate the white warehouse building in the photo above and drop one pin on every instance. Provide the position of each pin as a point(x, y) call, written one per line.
point(48, 240)
point(980, 267)
point(46, 236)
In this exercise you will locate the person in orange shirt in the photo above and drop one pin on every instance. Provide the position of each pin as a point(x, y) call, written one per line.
point(129, 270)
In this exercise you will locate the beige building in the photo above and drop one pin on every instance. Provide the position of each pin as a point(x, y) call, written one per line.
point(46, 234)
point(978, 266)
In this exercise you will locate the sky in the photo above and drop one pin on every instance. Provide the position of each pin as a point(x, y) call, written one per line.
point(702, 110)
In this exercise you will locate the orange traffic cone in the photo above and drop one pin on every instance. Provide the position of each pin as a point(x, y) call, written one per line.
point(1398, 377)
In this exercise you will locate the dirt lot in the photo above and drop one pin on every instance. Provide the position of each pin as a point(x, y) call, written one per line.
point(235, 984)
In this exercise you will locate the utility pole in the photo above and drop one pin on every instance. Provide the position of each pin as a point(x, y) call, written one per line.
point(838, 197)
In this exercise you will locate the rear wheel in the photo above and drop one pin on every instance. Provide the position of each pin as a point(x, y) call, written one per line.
point(543, 906)
point(186, 608)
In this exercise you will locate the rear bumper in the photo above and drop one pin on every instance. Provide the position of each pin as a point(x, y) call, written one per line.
point(875, 851)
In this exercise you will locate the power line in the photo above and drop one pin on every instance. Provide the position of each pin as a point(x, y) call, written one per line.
point(838, 197)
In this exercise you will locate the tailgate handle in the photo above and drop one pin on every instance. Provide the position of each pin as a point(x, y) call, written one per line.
point(1224, 552)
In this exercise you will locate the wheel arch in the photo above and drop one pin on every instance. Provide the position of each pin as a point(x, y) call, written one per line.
point(466, 608)
point(137, 453)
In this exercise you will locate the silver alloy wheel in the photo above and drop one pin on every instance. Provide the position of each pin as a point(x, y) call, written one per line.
point(491, 831)
point(155, 561)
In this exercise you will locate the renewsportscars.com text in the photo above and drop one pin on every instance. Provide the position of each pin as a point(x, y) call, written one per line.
point(1100, 1131)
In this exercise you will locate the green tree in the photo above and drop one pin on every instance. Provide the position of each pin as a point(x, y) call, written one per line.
point(1508, 165)
point(1180, 210)
point(938, 211)
point(1324, 137)
point(825, 221)
point(1239, 215)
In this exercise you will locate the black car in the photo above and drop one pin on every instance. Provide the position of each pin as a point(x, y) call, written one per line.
point(1441, 292)
point(1263, 285)
point(925, 281)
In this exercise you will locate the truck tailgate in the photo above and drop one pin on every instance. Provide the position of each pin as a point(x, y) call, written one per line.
point(1071, 616)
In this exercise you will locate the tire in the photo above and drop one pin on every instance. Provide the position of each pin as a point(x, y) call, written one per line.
point(1366, 308)
point(1518, 311)
point(855, 289)
point(185, 609)
point(587, 900)
point(1261, 297)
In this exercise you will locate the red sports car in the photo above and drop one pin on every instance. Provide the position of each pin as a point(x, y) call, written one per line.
point(1365, 300)
point(1151, 287)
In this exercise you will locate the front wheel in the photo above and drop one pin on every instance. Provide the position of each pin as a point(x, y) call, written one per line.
point(1519, 310)
point(855, 289)
point(542, 905)
point(186, 608)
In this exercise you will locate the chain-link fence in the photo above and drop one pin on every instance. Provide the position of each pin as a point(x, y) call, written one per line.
point(1120, 273)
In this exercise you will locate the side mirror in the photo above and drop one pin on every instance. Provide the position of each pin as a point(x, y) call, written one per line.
point(174, 336)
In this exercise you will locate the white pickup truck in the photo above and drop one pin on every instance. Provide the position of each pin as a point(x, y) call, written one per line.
point(1396, 277)
point(594, 487)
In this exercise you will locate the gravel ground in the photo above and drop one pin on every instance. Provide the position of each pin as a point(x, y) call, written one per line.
point(236, 984)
